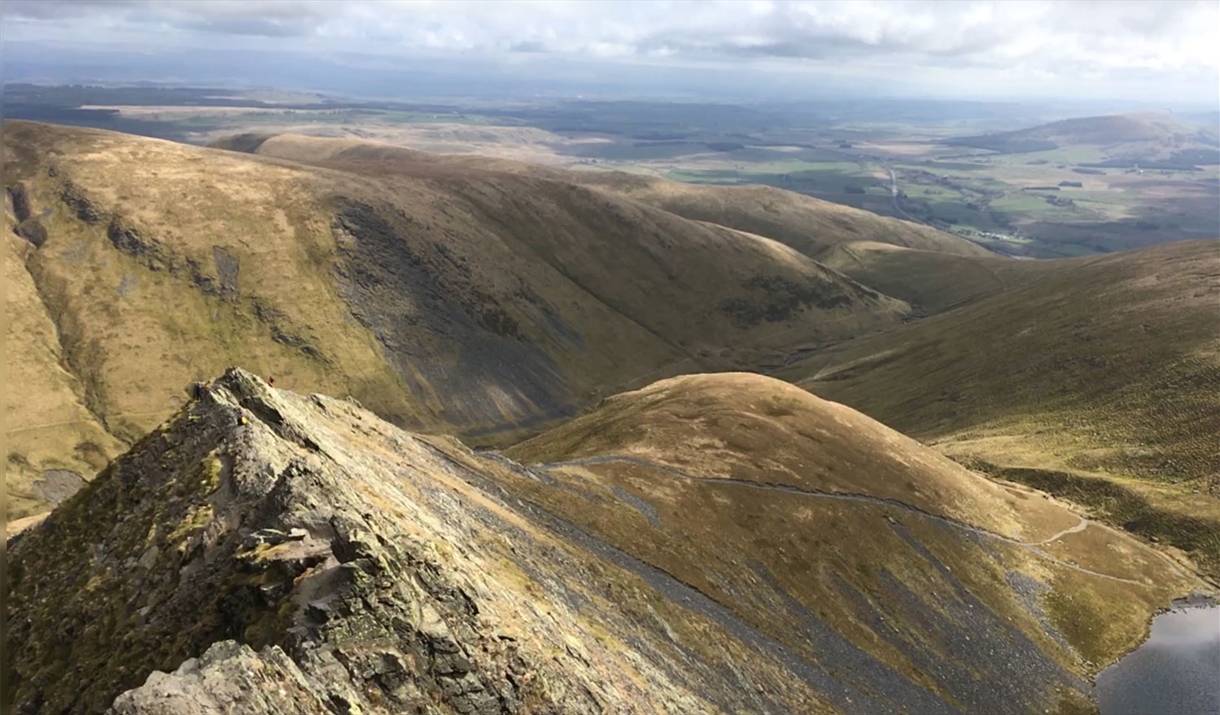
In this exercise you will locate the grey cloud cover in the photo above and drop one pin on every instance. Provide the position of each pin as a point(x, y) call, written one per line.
point(1125, 47)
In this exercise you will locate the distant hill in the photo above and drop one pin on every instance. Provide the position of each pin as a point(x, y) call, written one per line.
point(1151, 135)
point(1108, 129)
point(809, 225)
point(1209, 121)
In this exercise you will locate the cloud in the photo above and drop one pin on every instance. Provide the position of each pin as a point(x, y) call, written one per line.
point(528, 46)
point(254, 27)
point(1027, 41)
point(1102, 36)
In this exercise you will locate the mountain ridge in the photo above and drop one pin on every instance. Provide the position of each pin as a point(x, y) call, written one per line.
point(807, 224)
point(472, 300)
point(300, 544)
point(1154, 133)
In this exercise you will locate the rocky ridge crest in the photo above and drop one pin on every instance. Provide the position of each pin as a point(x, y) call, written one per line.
point(290, 554)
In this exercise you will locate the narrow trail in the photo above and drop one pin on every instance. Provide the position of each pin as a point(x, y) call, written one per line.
point(1182, 570)
point(1084, 523)
point(86, 420)
point(838, 687)
point(47, 425)
point(1032, 547)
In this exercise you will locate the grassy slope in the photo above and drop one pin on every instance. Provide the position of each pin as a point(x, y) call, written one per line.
point(931, 282)
point(723, 537)
point(140, 322)
point(47, 425)
point(809, 225)
point(1106, 367)
point(459, 298)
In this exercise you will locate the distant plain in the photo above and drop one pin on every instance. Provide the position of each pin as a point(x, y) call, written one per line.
point(1004, 179)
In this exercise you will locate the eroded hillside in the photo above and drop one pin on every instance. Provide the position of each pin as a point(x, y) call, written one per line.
point(462, 298)
point(649, 560)
point(51, 437)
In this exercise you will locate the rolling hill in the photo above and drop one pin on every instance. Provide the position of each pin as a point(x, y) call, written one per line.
point(809, 225)
point(1109, 129)
point(706, 476)
point(1096, 378)
point(442, 295)
point(277, 553)
point(1150, 136)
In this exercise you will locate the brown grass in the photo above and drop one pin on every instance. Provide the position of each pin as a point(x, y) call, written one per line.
point(1100, 366)
point(475, 299)
point(761, 430)
point(809, 225)
point(46, 422)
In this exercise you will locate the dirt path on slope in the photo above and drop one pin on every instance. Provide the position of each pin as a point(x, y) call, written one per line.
point(852, 497)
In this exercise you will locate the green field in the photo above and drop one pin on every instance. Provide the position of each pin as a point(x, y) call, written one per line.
point(1017, 197)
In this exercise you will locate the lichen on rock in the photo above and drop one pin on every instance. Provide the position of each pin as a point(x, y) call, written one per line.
point(320, 553)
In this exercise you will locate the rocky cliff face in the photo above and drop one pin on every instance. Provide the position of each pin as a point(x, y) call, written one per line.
point(362, 571)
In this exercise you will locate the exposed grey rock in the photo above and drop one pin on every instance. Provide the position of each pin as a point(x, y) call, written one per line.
point(227, 269)
point(229, 679)
point(19, 196)
point(313, 558)
point(56, 485)
point(33, 231)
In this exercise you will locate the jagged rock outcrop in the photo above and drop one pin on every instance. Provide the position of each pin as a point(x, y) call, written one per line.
point(359, 570)
point(229, 679)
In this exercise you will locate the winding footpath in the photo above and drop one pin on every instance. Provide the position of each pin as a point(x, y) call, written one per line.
point(1074, 530)
point(1031, 546)
point(839, 688)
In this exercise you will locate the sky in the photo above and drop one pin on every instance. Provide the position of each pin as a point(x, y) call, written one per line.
point(1158, 52)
